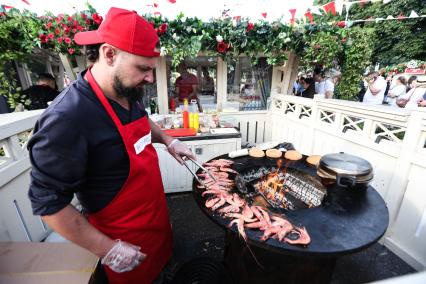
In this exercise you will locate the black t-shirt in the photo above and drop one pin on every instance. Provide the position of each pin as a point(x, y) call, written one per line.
point(39, 96)
point(77, 149)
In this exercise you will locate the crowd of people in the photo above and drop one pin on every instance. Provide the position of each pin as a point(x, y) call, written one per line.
point(395, 90)
point(319, 82)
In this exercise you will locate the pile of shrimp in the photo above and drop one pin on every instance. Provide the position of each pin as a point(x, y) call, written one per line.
point(221, 199)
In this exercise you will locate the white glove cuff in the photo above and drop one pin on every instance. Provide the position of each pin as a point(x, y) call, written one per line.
point(174, 141)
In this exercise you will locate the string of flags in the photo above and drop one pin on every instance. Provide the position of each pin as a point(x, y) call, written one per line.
point(334, 7)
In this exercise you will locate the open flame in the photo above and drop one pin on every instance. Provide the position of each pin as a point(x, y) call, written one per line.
point(289, 191)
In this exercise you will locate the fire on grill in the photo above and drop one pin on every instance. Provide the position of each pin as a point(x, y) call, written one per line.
point(236, 195)
point(283, 188)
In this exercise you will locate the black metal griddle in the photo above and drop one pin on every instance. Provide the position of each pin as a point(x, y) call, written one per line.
point(339, 226)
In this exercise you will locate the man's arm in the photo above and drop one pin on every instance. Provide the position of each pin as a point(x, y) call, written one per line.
point(69, 223)
point(120, 256)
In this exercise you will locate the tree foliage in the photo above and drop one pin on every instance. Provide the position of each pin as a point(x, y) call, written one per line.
point(395, 41)
point(354, 62)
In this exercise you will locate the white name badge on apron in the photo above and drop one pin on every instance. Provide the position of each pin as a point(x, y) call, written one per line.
point(142, 143)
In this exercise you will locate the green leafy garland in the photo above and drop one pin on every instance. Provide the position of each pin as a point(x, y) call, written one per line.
point(225, 37)
point(323, 43)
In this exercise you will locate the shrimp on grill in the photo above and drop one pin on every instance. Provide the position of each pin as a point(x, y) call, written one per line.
point(303, 237)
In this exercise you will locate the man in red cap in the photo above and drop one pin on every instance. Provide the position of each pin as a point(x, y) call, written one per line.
point(95, 141)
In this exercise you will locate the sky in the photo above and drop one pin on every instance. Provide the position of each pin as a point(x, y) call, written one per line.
point(204, 9)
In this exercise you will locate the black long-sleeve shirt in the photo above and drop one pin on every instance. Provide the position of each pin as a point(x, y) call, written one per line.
point(77, 149)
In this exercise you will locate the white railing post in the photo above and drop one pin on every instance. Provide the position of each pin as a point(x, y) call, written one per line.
point(162, 94)
point(399, 178)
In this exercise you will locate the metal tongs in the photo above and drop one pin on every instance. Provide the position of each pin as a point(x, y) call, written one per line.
point(186, 158)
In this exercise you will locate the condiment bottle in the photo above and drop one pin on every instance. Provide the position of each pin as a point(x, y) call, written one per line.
point(185, 114)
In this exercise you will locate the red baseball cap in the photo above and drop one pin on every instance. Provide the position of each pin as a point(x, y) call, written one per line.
point(125, 30)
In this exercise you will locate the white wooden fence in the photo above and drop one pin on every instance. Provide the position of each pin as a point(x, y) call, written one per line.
point(17, 222)
point(393, 140)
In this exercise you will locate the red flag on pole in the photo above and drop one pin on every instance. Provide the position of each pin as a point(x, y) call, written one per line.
point(26, 2)
point(309, 16)
point(172, 1)
point(330, 7)
point(293, 13)
point(264, 15)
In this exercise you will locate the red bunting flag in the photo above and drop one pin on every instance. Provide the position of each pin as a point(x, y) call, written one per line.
point(330, 7)
point(293, 13)
point(26, 2)
point(155, 5)
point(400, 17)
point(172, 1)
point(264, 15)
point(157, 13)
point(8, 7)
point(309, 16)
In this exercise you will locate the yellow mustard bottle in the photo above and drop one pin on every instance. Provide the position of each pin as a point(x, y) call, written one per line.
point(196, 121)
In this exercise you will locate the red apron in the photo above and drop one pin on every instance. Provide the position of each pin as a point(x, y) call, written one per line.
point(138, 214)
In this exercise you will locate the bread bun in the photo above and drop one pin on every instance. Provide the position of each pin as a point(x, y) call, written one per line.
point(293, 155)
point(256, 153)
point(313, 160)
point(274, 153)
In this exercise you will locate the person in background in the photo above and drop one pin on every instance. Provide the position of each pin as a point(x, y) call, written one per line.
point(297, 86)
point(389, 78)
point(4, 107)
point(416, 94)
point(397, 90)
point(95, 141)
point(318, 76)
point(411, 83)
point(186, 86)
point(332, 78)
point(422, 101)
point(362, 91)
point(309, 88)
point(376, 86)
point(207, 83)
point(42, 92)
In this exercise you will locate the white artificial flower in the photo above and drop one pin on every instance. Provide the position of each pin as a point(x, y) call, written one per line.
point(287, 40)
point(282, 35)
point(174, 36)
point(194, 30)
point(163, 51)
point(219, 38)
point(188, 29)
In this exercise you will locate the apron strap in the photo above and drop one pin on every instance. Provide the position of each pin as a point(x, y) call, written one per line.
point(102, 98)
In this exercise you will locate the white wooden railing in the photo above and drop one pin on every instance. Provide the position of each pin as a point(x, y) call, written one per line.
point(393, 140)
point(17, 222)
point(254, 125)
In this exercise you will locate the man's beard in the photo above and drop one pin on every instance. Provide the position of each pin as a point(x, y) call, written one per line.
point(132, 94)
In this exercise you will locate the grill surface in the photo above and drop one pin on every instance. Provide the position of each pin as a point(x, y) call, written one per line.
point(338, 226)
